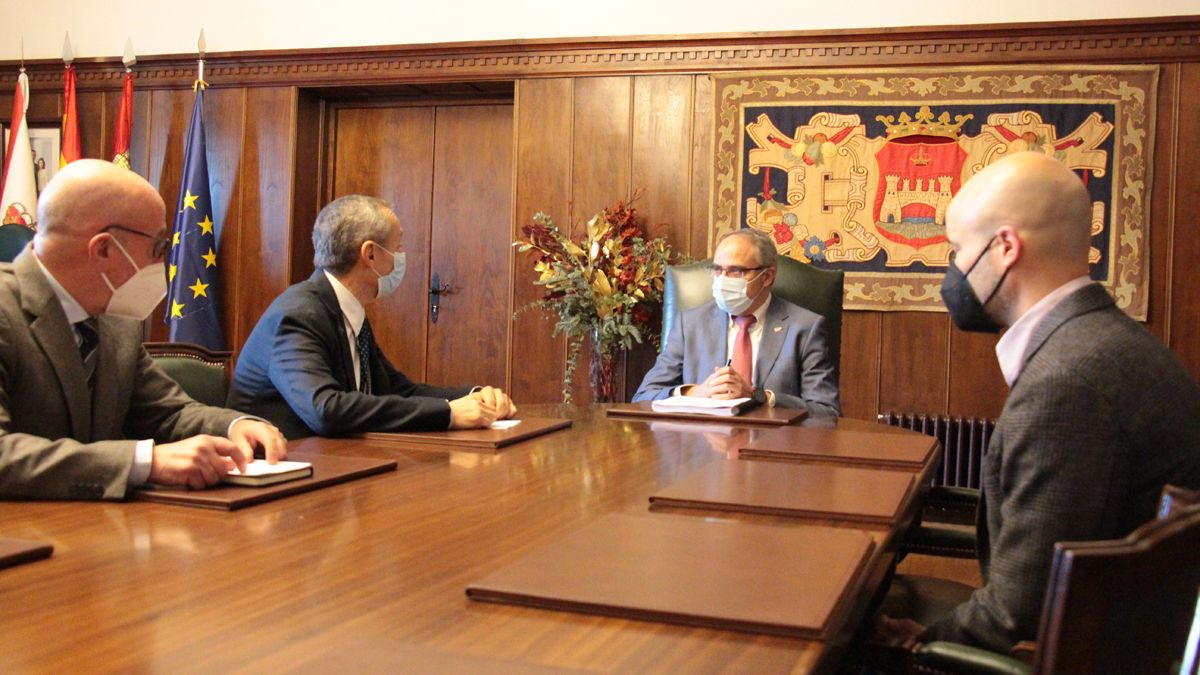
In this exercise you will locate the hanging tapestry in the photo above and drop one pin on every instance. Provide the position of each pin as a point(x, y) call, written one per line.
point(853, 170)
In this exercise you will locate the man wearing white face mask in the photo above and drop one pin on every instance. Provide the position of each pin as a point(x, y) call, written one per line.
point(84, 411)
point(311, 365)
point(746, 342)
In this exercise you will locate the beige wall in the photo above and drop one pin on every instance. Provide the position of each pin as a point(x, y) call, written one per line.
point(99, 28)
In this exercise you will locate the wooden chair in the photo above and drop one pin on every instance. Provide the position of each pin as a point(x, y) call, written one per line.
point(1119, 606)
point(812, 288)
point(203, 374)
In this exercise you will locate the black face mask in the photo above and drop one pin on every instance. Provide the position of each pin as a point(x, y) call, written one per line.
point(964, 306)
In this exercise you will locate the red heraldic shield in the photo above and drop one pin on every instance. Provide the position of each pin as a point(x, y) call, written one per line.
point(918, 176)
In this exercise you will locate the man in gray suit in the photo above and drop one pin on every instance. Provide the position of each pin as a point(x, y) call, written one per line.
point(747, 342)
point(84, 412)
point(1100, 415)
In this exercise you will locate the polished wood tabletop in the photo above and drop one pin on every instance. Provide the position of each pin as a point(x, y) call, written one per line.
point(377, 566)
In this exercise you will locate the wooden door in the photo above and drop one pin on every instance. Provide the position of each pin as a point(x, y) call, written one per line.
point(447, 170)
point(472, 206)
point(388, 153)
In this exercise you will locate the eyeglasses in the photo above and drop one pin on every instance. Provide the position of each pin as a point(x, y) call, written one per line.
point(733, 271)
point(161, 241)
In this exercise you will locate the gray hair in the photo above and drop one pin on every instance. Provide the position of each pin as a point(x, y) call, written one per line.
point(767, 255)
point(342, 227)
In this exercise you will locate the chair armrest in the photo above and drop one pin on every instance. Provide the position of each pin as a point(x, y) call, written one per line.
point(1024, 651)
point(940, 541)
point(950, 657)
point(950, 495)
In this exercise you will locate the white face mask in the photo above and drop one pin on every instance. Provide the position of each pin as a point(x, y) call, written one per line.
point(731, 295)
point(138, 296)
point(388, 283)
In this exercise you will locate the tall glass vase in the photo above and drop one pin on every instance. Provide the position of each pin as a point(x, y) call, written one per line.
point(601, 369)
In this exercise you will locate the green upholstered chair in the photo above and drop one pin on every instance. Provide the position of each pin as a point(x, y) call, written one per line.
point(203, 374)
point(814, 289)
point(13, 239)
point(1117, 606)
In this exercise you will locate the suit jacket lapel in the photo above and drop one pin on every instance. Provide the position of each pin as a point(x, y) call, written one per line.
point(110, 363)
point(329, 299)
point(771, 343)
point(1087, 299)
point(715, 335)
point(57, 340)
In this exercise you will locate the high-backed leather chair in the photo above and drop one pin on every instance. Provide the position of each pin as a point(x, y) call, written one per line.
point(814, 289)
point(203, 374)
point(13, 239)
point(1116, 606)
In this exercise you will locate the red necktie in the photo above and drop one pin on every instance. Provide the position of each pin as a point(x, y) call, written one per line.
point(743, 352)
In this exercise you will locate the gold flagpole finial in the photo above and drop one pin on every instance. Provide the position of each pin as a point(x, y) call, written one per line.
point(200, 83)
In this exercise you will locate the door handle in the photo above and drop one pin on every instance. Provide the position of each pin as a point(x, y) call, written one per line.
point(436, 289)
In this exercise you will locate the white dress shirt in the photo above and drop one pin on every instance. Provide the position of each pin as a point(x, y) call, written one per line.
point(1010, 350)
point(353, 316)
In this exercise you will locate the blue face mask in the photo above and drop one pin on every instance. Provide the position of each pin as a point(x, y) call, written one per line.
point(388, 283)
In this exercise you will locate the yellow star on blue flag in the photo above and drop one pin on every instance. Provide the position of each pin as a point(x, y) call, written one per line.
point(192, 312)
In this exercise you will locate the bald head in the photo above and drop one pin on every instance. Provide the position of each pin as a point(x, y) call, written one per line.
point(1035, 195)
point(98, 224)
point(88, 195)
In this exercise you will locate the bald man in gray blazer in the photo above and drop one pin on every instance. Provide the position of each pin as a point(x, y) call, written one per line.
point(93, 427)
point(1101, 415)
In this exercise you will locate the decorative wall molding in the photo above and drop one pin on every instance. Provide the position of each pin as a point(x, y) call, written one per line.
point(1136, 40)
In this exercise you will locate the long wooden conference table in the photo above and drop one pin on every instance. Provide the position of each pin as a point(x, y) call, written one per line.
point(370, 575)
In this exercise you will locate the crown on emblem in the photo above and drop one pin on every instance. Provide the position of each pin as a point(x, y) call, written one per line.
point(924, 124)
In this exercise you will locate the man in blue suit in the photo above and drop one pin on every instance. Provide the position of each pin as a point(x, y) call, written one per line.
point(312, 367)
point(747, 342)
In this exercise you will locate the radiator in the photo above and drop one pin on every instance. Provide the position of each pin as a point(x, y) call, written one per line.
point(963, 441)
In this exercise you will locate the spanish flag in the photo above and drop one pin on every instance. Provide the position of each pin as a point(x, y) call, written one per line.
point(70, 129)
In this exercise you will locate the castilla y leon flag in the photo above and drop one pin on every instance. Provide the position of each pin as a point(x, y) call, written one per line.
point(18, 200)
point(124, 123)
point(70, 129)
point(192, 266)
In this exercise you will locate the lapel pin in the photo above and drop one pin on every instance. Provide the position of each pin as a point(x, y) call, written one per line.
point(778, 328)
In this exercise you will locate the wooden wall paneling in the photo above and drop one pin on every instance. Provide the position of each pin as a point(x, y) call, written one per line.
point(544, 114)
point(600, 174)
point(977, 387)
point(264, 231)
point(95, 122)
point(403, 175)
point(225, 139)
point(663, 114)
point(702, 168)
point(472, 212)
point(1185, 205)
point(308, 180)
point(858, 386)
point(1162, 222)
point(914, 348)
point(170, 111)
point(139, 140)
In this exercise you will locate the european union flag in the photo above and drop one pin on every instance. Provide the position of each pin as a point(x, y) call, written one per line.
point(192, 266)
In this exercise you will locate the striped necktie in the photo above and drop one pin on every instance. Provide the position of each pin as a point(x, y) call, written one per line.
point(89, 340)
point(364, 339)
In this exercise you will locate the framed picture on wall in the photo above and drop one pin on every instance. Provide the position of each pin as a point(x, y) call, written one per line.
point(45, 143)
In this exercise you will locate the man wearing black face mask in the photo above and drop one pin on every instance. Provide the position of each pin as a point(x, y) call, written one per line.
point(747, 342)
point(312, 366)
point(1100, 415)
point(84, 412)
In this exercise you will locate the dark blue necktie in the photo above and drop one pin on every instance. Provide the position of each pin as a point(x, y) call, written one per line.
point(364, 357)
point(89, 340)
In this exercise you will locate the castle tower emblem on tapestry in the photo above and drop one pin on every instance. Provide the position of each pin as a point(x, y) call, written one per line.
point(920, 169)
